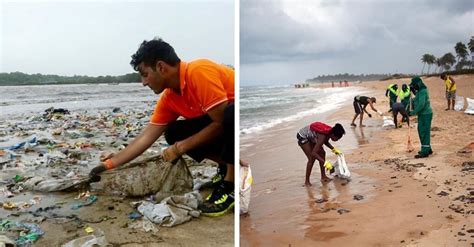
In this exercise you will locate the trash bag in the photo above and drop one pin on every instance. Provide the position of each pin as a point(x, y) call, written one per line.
point(38, 183)
point(173, 210)
point(146, 176)
point(459, 105)
point(388, 122)
point(246, 181)
point(97, 239)
point(470, 106)
point(340, 167)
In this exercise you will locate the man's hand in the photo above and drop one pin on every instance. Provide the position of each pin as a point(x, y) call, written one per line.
point(171, 153)
point(380, 113)
point(105, 156)
point(370, 115)
point(97, 170)
point(336, 151)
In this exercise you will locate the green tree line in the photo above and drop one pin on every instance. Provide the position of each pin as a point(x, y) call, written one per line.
point(447, 61)
point(348, 77)
point(19, 78)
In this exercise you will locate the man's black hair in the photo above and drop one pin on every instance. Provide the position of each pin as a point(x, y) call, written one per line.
point(338, 130)
point(153, 51)
point(442, 76)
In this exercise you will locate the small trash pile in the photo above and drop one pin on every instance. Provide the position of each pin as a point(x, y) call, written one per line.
point(24, 234)
point(56, 150)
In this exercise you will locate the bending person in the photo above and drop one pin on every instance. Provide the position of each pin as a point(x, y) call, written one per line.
point(311, 139)
point(202, 92)
point(360, 104)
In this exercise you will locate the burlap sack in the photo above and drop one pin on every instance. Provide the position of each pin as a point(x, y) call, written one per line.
point(150, 175)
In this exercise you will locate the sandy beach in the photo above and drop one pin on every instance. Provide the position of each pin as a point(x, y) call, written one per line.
point(405, 201)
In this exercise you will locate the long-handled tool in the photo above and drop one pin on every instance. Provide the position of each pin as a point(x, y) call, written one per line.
point(410, 147)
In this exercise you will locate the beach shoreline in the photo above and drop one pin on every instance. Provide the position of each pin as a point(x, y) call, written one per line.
point(401, 205)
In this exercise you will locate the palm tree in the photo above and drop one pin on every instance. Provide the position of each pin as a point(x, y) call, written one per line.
point(461, 51)
point(430, 60)
point(439, 64)
point(448, 60)
point(424, 59)
point(471, 49)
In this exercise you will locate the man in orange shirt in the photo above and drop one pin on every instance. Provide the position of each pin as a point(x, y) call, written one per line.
point(202, 92)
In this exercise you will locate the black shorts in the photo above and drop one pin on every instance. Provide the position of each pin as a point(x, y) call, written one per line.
point(222, 146)
point(357, 106)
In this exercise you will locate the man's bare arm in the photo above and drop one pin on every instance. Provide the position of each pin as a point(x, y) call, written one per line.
point(141, 143)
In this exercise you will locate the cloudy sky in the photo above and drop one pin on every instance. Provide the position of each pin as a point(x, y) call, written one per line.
point(289, 41)
point(98, 37)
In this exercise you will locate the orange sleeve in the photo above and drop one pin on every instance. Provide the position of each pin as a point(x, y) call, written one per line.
point(210, 91)
point(163, 113)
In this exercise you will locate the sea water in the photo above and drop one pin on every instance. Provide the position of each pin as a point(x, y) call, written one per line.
point(263, 107)
point(25, 100)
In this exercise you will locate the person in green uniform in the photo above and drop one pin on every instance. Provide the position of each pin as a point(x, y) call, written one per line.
point(424, 112)
point(392, 93)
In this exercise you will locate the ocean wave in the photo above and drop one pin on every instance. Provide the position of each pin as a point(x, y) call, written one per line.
point(328, 100)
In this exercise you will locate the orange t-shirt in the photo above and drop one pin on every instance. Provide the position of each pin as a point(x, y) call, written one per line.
point(204, 85)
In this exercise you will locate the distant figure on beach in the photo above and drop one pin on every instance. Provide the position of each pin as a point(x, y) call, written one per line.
point(202, 92)
point(400, 108)
point(360, 104)
point(404, 95)
point(340, 83)
point(311, 139)
point(425, 115)
point(392, 93)
point(332, 84)
point(450, 90)
point(346, 83)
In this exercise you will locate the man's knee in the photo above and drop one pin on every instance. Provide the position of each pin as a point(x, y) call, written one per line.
point(229, 116)
point(171, 133)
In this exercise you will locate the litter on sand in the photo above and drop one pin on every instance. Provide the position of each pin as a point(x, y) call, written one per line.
point(340, 167)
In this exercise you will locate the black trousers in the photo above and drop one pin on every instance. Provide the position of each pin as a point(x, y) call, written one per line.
point(222, 146)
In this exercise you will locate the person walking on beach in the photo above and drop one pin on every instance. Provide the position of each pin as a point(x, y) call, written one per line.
point(311, 139)
point(400, 108)
point(360, 104)
point(202, 92)
point(392, 93)
point(425, 115)
point(450, 90)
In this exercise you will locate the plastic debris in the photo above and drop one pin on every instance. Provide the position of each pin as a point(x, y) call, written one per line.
point(173, 210)
point(31, 232)
point(144, 224)
point(89, 201)
point(246, 181)
point(89, 229)
point(134, 215)
point(95, 239)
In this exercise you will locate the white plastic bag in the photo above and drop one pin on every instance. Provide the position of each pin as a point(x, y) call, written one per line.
point(246, 181)
point(388, 122)
point(470, 106)
point(340, 167)
point(459, 103)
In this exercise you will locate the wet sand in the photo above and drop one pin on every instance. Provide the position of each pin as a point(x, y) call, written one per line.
point(400, 204)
